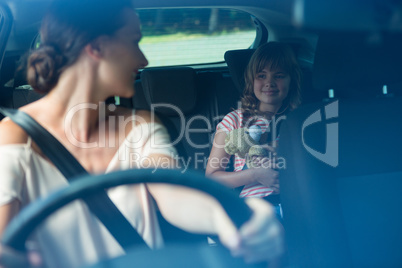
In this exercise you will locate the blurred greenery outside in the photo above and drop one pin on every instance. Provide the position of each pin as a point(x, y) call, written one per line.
point(193, 36)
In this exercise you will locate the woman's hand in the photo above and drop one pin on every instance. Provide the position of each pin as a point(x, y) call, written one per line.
point(259, 239)
point(12, 258)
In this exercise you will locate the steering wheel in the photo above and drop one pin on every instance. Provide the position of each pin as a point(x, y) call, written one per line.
point(34, 214)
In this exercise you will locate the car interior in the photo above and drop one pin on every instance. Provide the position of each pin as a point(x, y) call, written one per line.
point(340, 190)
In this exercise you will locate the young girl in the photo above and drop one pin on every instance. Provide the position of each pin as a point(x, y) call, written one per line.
point(272, 88)
point(90, 52)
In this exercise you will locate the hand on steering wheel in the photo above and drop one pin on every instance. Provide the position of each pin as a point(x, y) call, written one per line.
point(245, 242)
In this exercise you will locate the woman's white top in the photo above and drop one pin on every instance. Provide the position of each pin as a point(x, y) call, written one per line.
point(73, 237)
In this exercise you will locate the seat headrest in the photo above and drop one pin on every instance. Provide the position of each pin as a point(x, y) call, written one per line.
point(139, 101)
point(174, 86)
point(237, 61)
point(355, 65)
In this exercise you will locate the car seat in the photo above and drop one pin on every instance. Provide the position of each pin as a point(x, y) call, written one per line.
point(341, 188)
point(185, 111)
point(237, 61)
point(172, 93)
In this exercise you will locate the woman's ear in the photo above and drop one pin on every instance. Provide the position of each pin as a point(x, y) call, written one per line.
point(96, 48)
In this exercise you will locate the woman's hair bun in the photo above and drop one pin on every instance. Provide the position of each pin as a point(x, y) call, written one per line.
point(44, 67)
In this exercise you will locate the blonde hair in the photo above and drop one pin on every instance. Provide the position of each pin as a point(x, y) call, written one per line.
point(275, 55)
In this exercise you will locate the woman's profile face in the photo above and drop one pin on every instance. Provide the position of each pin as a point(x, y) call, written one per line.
point(122, 57)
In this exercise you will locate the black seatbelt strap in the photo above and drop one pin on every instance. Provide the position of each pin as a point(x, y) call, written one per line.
point(100, 205)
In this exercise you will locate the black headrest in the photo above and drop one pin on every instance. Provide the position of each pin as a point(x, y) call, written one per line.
point(237, 61)
point(173, 86)
point(24, 96)
point(357, 64)
point(139, 101)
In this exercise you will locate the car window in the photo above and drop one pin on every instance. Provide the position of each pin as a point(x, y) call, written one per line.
point(190, 36)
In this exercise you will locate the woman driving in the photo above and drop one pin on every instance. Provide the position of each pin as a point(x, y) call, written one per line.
point(89, 52)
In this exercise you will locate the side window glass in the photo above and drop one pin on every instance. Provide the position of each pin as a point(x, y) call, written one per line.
point(193, 36)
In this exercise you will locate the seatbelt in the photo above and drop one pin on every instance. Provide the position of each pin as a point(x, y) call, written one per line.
point(100, 205)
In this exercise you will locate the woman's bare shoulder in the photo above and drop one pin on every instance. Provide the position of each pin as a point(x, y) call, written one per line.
point(11, 133)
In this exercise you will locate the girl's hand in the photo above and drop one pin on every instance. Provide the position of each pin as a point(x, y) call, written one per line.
point(265, 172)
point(268, 177)
point(258, 161)
point(264, 162)
point(260, 239)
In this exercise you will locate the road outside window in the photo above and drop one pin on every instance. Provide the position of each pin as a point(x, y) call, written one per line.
point(193, 36)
